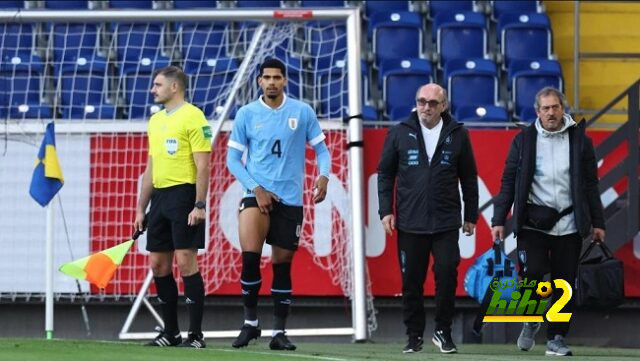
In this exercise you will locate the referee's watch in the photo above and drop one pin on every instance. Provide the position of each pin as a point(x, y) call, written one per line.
point(200, 205)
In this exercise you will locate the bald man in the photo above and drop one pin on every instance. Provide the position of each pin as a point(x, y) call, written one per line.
point(423, 159)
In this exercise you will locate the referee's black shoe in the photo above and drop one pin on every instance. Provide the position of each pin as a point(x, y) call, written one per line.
point(165, 340)
point(281, 342)
point(247, 333)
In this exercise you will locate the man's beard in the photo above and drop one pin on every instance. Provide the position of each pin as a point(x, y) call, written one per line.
point(272, 97)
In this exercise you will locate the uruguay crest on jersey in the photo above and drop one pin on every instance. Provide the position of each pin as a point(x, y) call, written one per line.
point(293, 123)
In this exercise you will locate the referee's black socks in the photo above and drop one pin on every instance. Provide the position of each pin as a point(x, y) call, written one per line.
point(251, 282)
point(168, 298)
point(281, 293)
point(194, 292)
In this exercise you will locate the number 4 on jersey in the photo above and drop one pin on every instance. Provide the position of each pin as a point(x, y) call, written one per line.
point(275, 149)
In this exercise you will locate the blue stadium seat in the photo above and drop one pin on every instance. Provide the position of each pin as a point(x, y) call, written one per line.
point(327, 44)
point(461, 36)
point(12, 4)
point(258, 4)
point(534, 19)
point(471, 82)
point(396, 36)
point(322, 3)
point(15, 40)
point(524, 40)
point(369, 113)
point(526, 83)
point(137, 43)
point(437, 7)
point(72, 42)
point(201, 41)
point(530, 66)
point(66, 4)
point(401, 79)
point(521, 6)
point(482, 113)
point(386, 7)
point(207, 80)
point(194, 4)
point(131, 4)
point(528, 114)
point(32, 111)
point(137, 82)
point(332, 85)
point(82, 87)
point(21, 81)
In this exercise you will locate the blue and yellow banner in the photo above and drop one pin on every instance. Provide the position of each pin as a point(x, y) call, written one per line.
point(47, 176)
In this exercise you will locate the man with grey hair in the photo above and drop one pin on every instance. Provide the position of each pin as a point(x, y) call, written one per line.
point(551, 178)
point(425, 157)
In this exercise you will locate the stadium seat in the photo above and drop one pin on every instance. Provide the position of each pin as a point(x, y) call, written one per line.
point(396, 36)
point(528, 115)
point(534, 19)
point(327, 44)
point(201, 41)
point(67, 4)
point(322, 3)
point(520, 7)
point(525, 40)
point(31, 111)
point(384, 7)
point(194, 4)
point(481, 113)
point(369, 113)
point(519, 67)
point(71, 42)
point(15, 40)
point(12, 4)
point(207, 80)
point(401, 79)
point(461, 36)
point(137, 82)
point(471, 82)
point(526, 84)
point(258, 4)
point(437, 7)
point(21, 80)
point(131, 4)
point(332, 91)
point(82, 89)
point(137, 44)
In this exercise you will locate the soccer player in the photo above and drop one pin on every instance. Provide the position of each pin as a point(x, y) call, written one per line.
point(176, 181)
point(274, 129)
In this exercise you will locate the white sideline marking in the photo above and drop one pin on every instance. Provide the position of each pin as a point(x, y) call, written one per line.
point(285, 355)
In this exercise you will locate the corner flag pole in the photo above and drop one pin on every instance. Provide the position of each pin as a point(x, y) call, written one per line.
point(48, 328)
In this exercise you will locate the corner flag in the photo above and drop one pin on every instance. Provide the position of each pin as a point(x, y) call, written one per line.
point(47, 176)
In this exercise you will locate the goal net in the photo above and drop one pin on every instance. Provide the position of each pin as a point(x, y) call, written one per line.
point(92, 75)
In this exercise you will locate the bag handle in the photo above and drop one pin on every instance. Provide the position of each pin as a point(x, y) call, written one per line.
point(605, 250)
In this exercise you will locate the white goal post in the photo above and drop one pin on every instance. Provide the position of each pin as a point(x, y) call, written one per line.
point(356, 287)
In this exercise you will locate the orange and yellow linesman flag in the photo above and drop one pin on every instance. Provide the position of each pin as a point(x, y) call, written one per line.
point(47, 176)
point(98, 268)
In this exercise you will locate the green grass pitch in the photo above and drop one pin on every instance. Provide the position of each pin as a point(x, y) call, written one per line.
point(76, 350)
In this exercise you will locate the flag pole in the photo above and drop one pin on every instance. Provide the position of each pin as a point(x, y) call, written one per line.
point(49, 275)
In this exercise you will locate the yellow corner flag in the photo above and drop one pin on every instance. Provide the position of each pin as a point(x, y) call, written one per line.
point(47, 176)
point(98, 268)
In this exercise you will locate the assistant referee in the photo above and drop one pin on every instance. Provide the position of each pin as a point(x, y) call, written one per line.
point(176, 181)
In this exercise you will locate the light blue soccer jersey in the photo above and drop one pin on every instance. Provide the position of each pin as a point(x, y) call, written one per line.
point(276, 140)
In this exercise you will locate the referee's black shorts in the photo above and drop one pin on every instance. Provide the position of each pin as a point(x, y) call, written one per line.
point(167, 228)
point(285, 223)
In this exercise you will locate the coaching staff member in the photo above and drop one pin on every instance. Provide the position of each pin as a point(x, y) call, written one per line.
point(425, 157)
point(176, 181)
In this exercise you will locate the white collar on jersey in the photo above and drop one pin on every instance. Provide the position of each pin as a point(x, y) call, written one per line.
point(284, 100)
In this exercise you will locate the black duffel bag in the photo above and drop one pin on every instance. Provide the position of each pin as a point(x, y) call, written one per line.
point(600, 280)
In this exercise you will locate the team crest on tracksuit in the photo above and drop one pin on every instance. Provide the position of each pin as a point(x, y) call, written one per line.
point(293, 123)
